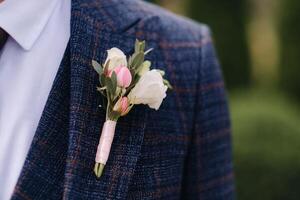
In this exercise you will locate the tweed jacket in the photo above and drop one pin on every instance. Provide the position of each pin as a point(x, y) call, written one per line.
point(181, 151)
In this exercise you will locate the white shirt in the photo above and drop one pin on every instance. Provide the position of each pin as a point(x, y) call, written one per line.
point(39, 33)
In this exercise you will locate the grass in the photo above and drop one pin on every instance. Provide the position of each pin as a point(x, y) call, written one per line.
point(266, 136)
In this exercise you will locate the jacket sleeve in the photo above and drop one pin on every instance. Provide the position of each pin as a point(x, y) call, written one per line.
point(208, 172)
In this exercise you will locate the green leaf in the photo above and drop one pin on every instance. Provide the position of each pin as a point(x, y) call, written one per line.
point(102, 80)
point(142, 46)
point(111, 87)
point(138, 60)
point(139, 46)
point(106, 66)
point(147, 64)
point(137, 78)
point(129, 60)
point(143, 68)
point(136, 45)
point(167, 83)
point(97, 67)
point(108, 84)
point(114, 82)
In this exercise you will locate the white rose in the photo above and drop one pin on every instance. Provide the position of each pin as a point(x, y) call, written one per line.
point(116, 58)
point(150, 90)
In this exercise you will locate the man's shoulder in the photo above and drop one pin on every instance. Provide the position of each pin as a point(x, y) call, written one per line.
point(139, 17)
point(171, 26)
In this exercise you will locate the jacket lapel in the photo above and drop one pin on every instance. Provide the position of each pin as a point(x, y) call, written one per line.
point(61, 159)
point(90, 40)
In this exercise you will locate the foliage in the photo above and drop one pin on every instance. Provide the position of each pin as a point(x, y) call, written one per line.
point(266, 146)
point(108, 83)
point(227, 20)
point(290, 46)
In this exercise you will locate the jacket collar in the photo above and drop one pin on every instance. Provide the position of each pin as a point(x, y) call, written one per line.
point(66, 140)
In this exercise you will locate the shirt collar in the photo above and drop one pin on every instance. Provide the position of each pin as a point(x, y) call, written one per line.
point(25, 21)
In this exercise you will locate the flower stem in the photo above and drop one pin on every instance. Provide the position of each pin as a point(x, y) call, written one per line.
point(107, 110)
point(98, 169)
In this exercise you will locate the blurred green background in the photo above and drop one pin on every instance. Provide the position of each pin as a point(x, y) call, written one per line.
point(258, 43)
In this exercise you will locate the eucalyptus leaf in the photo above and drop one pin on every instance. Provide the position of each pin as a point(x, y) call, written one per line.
point(106, 66)
point(108, 84)
point(144, 67)
point(110, 88)
point(142, 46)
point(102, 80)
point(114, 82)
point(129, 60)
point(137, 78)
point(138, 60)
point(136, 45)
point(167, 83)
point(97, 67)
point(147, 64)
point(139, 46)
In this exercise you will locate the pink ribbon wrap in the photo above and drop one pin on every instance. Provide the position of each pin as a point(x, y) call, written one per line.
point(106, 139)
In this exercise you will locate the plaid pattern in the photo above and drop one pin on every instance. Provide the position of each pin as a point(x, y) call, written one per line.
point(182, 151)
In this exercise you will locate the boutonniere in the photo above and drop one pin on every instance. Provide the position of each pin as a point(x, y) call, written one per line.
point(125, 83)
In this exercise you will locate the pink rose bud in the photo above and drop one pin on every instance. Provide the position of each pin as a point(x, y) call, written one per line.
point(122, 106)
point(123, 76)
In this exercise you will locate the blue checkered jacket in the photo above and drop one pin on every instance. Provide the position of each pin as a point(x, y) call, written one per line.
point(181, 151)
